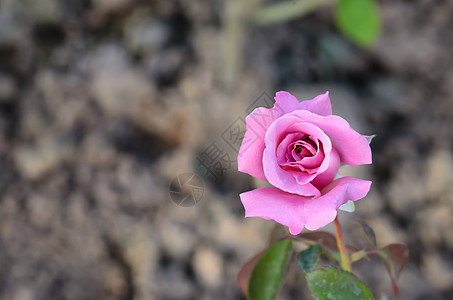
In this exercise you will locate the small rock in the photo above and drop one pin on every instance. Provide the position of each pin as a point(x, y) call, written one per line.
point(121, 92)
point(35, 122)
point(96, 150)
point(391, 94)
point(113, 281)
point(338, 52)
point(17, 15)
point(142, 254)
point(176, 162)
point(404, 47)
point(23, 293)
point(411, 284)
point(107, 57)
point(371, 205)
point(406, 191)
point(43, 210)
point(144, 188)
point(438, 270)
point(439, 172)
point(435, 224)
point(208, 266)
point(164, 67)
point(108, 6)
point(177, 239)
point(8, 88)
point(144, 34)
point(172, 283)
point(243, 235)
point(387, 232)
point(47, 154)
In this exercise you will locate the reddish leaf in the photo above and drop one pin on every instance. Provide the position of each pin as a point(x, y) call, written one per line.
point(351, 249)
point(325, 239)
point(242, 279)
point(277, 234)
point(321, 237)
point(394, 257)
point(369, 233)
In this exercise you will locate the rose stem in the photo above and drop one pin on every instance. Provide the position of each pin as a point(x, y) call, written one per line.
point(345, 262)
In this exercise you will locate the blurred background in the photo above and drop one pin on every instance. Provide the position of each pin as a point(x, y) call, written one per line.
point(120, 122)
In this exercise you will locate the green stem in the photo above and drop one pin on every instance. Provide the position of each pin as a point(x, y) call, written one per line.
point(286, 11)
point(234, 35)
point(345, 261)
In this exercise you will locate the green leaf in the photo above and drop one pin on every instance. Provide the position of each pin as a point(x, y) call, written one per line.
point(336, 284)
point(359, 20)
point(267, 275)
point(394, 257)
point(309, 258)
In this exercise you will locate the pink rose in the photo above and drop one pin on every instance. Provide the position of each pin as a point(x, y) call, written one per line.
point(298, 148)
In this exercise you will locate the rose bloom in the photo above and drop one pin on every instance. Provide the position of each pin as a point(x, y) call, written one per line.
point(298, 147)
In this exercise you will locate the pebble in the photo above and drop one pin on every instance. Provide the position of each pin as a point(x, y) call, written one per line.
point(47, 154)
point(208, 266)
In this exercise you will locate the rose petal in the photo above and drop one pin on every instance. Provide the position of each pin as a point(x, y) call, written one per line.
point(328, 176)
point(320, 105)
point(250, 157)
point(282, 148)
point(297, 211)
point(272, 203)
point(352, 147)
point(303, 177)
point(286, 103)
point(306, 128)
point(333, 196)
point(315, 161)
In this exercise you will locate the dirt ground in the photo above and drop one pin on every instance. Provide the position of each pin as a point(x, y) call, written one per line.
point(104, 103)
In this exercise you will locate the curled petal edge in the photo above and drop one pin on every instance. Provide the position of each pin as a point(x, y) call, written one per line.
point(297, 211)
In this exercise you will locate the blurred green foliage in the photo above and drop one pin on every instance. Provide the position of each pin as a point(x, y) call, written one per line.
point(359, 20)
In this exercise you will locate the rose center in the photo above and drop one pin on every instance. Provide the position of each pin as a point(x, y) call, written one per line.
point(304, 148)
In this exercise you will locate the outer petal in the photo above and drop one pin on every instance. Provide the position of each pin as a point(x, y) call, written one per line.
point(320, 105)
point(352, 147)
point(250, 157)
point(272, 203)
point(297, 211)
point(286, 103)
point(323, 210)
